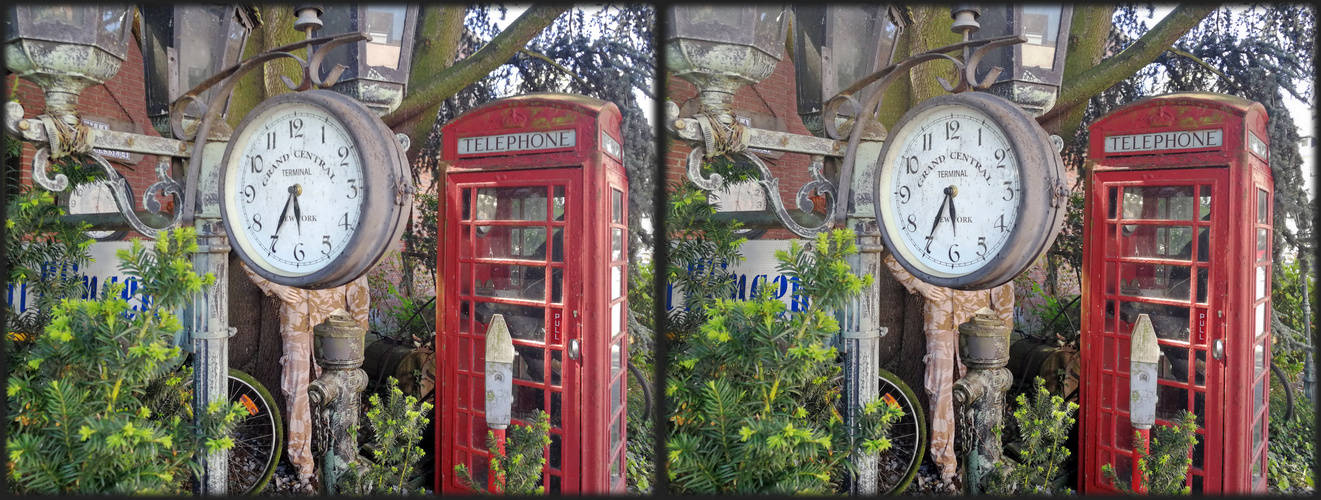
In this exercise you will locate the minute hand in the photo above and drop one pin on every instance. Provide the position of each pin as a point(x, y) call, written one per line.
point(936, 223)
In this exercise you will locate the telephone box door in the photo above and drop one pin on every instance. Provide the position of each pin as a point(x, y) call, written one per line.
point(1156, 243)
point(504, 253)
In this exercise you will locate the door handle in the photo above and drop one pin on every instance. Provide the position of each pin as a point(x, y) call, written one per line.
point(574, 350)
point(1218, 349)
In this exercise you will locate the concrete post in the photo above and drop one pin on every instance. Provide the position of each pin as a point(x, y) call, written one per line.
point(336, 396)
point(208, 315)
point(984, 347)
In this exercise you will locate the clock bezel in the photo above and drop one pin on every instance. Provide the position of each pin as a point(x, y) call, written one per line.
point(1040, 170)
point(386, 189)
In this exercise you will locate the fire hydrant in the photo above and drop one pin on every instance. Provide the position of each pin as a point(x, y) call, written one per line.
point(984, 347)
point(336, 396)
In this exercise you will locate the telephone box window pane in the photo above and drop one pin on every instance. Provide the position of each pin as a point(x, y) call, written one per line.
point(1263, 207)
point(1263, 235)
point(555, 362)
point(505, 242)
point(467, 204)
point(1197, 479)
point(463, 391)
point(1109, 315)
point(1261, 283)
point(616, 206)
point(1163, 242)
point(1112, 202)
point(616, 358)
point(616, 282)
point(1170, 400)
point(1258, 359)
point(559, 202)
point(1158, 202)
point(1256, 440)
point(615, 390)
point(1123, 435)
point(1199, 451)
point(1160, 281)
point(513, 282)
point(616, 315)
point(1107, 390)
point(1203, 243)
point(1122, 391)
point(524, 322)
point(616, 244)
point(1110, 277)
point(556, 445)
point(527, 400)
point(1173, 364)
point(1124, 360)
point(479, 465)
point(557, 285)
point(1106, 427)
point(1108, 354)
point(1258, 395)
point(531, 363)
point(1202, 273)
point(465, 278)
point(534, 243)
point(464, 349)
point(512, 203)
point(557, 249)
point(1204, 203)
point(1124, 464)
point(1170, 322)
point(1200, 367)
point(555, 409)
point(554, 488)
point(1261, 319)
point(1199, 403)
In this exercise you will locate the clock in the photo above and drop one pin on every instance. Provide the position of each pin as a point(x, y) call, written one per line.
point(314, 189)
point(97, 198)
point(970, 191)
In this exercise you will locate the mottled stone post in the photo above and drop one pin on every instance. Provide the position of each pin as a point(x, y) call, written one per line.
point(984, 347)
point(336, 397)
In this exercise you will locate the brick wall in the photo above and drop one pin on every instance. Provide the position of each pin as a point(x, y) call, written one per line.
point(123, 97)
point(775, 95)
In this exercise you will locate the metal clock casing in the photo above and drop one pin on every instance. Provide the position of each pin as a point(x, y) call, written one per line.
point(314, 189)
point(970, 191)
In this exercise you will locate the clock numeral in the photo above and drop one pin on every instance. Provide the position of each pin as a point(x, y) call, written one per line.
point(904, 194)
point(1000, 155)
point(1009, 191)
point(911, 165)
point(927, 249)
point(298, 252)
point(274, 238)
point(344, 221)
point(979, 137)
point(981, 242)
point(325, 240)
point(953, 254)
point(257, 164)
point(354, 187)
point(296, 128)
point(1000, 224)
point(912, 223)
point(270, 140)
point(256, 223)
point(951, 130)
point(928, 140)
point(249, 193)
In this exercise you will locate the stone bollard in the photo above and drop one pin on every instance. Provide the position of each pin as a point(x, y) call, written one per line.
point(336, 397)
point(984, 347)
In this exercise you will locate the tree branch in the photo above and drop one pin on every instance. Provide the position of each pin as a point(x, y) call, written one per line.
point(1123, 65)
point(475, 67)
point(537, 55)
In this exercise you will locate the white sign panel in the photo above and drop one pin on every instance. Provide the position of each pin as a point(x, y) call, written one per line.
point(757, 269)
point(1165, 141)
point(102, 270)
point(522, 141)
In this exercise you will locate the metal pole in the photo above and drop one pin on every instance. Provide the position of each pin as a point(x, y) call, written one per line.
point(861, 334)
point(1309, 369)
point(208, 315)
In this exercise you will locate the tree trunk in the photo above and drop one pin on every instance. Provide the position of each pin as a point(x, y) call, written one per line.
point(255, 347)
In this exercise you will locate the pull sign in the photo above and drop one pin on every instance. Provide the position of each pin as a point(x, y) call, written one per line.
point(1201, 326)
point(556, 326)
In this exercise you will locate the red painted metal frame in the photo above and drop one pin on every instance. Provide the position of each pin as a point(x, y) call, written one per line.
point(589, 175)
point(1236, 408)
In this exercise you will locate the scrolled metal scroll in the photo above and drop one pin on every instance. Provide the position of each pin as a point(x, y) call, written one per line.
point(770, 186)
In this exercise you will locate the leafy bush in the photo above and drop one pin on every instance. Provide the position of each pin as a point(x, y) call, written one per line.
point(396, 427)
point(1165, 469)
point(80, 423)
point(518, 470)
point(754, 393)
point(1043, 427)
point(700, 252)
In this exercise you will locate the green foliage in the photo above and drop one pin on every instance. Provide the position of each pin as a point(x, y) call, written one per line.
point(755, 391)
point(518, 470)
point(640, 449)
point(700, 252)
point(1165, 469)
point(397, 427)
point(1287, 321)
point(1291, 454)
point(1048, 316)
point(44, 253)
point(1043, 427)
point(81, 423)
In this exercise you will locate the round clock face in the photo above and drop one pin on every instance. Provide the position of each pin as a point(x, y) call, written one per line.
point(956, 183)
point(95, 198)
point(299, 196)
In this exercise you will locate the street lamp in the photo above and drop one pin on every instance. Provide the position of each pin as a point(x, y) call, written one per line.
point(835, 46)
point(376, 70)
point(182, 46)
point(66, 48)
point(721, 48)
point(1033, 70)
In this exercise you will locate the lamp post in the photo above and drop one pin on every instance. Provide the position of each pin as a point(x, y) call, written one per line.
point(182, 46)
point(376, 70)
point(1033, 70)
point(835, 46)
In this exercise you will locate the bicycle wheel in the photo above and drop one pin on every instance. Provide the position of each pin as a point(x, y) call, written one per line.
point(1278, 374)
point(897, 466)
point(644, 384)
point(258, 436)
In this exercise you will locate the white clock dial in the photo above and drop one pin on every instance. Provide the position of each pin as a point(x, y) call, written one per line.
point(953, 190)
point(95, 198)
point(970, 191)
point(296, 189)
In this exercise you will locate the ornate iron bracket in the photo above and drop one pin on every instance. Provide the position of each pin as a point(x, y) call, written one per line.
point(737, 138)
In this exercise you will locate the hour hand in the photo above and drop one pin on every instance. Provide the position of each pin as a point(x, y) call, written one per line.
point(953, 217)
point(298, 214)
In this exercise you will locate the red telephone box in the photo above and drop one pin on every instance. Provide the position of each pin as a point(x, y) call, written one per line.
point(535, 229)
point(1178, 227)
